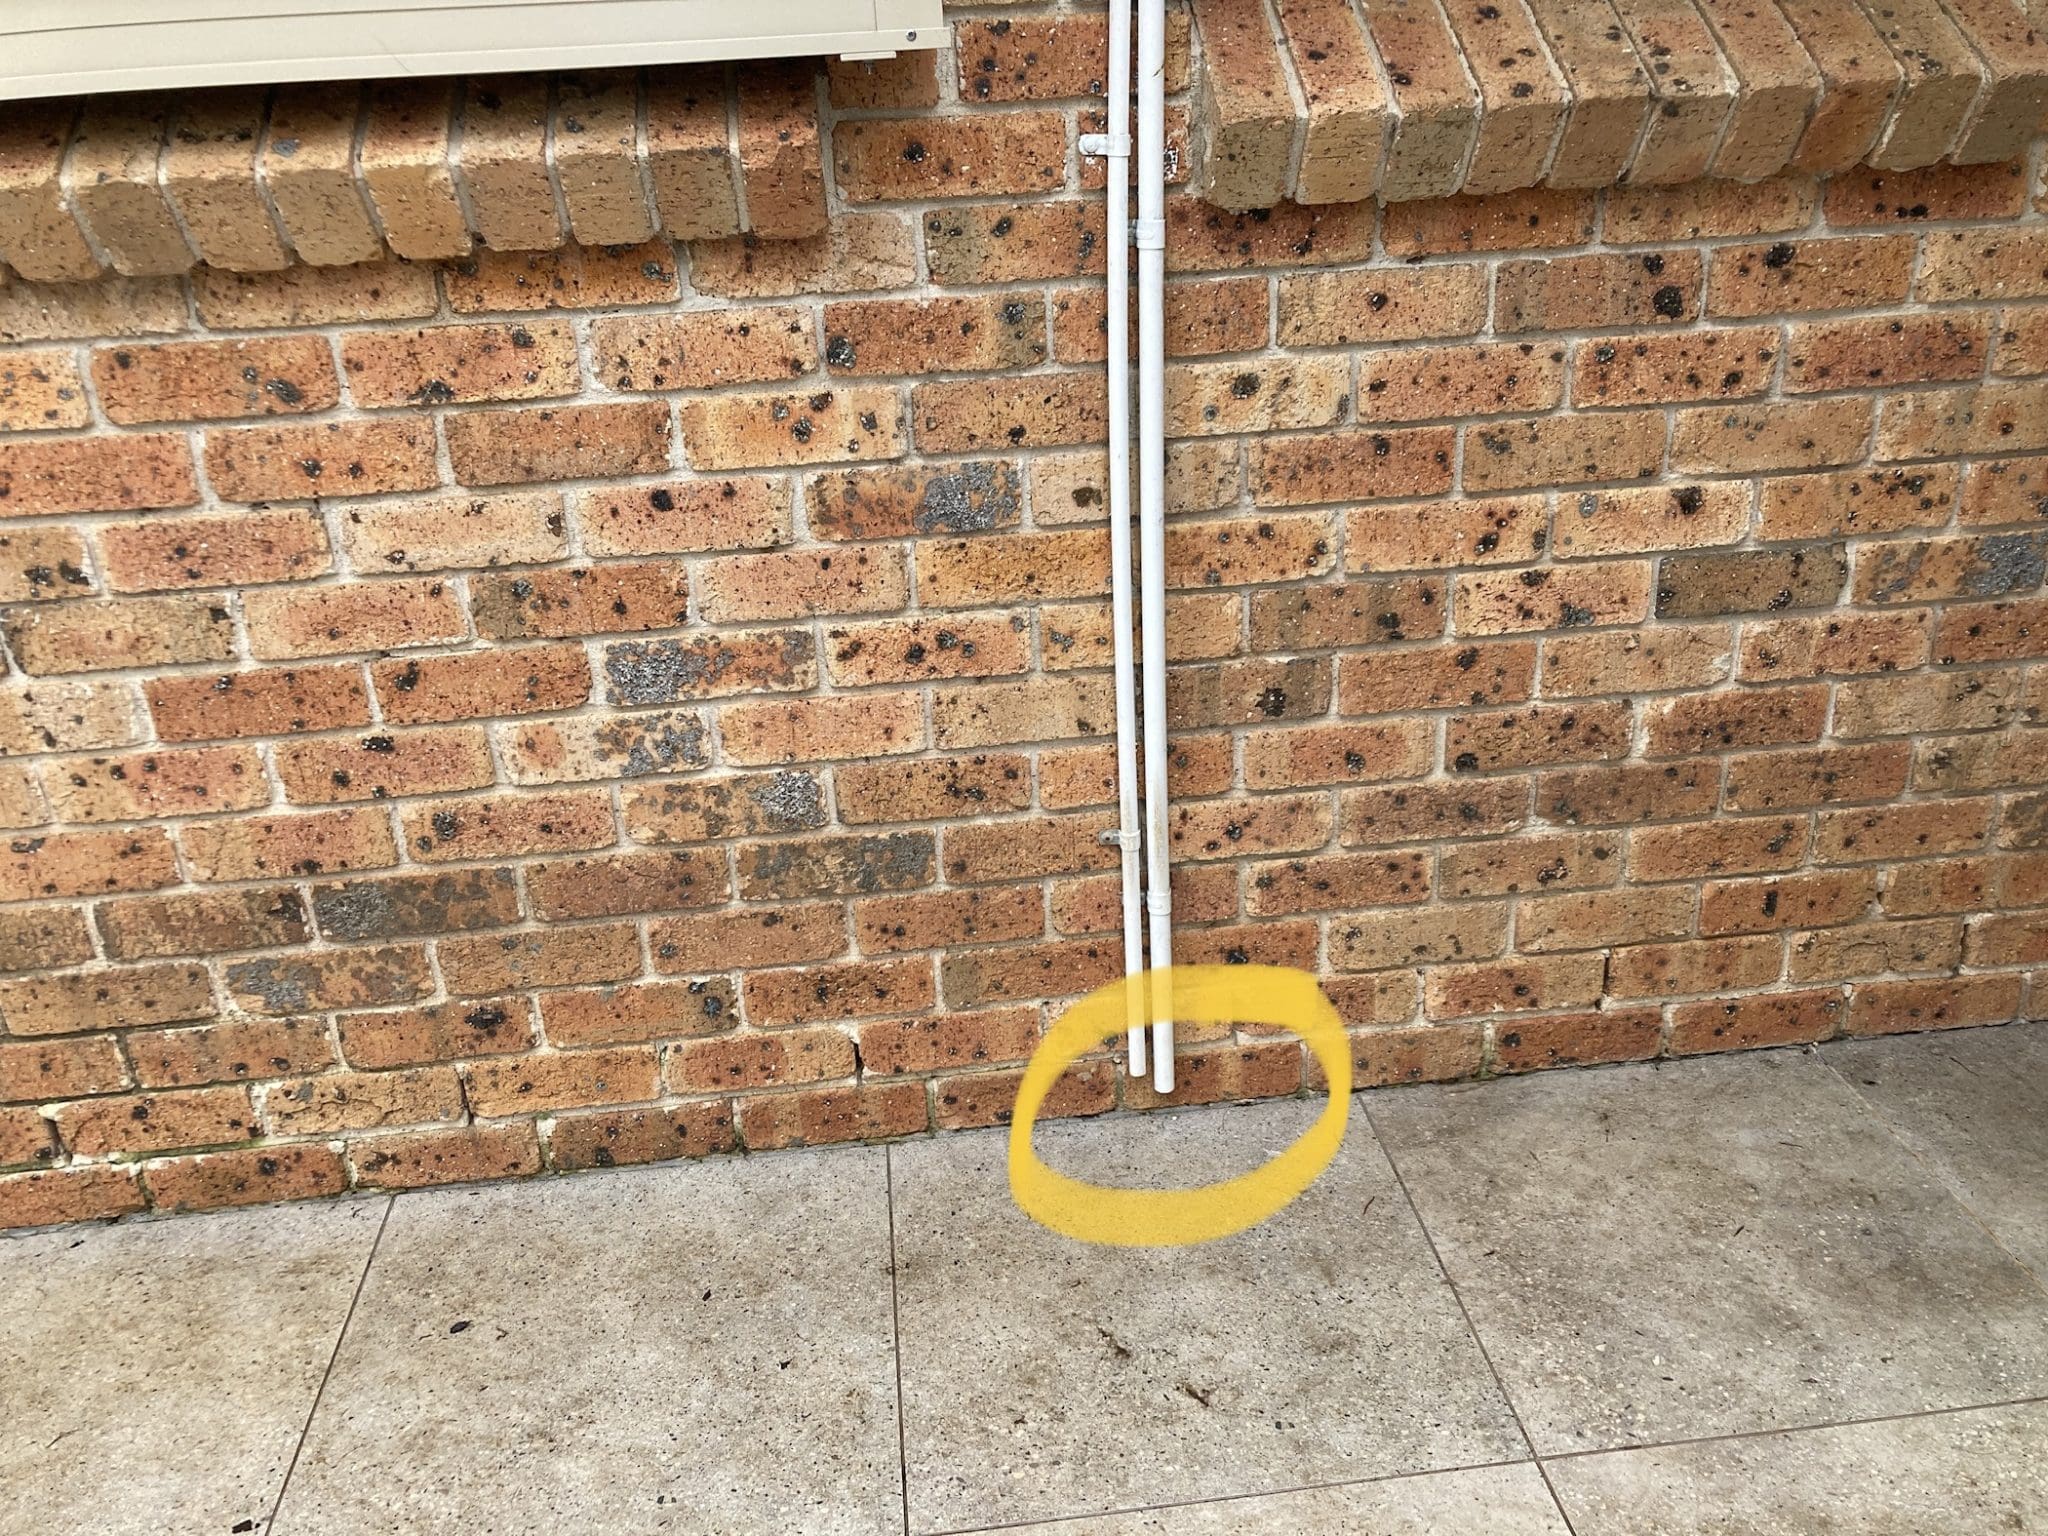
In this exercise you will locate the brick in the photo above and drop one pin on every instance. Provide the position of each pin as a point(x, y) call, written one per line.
point(684, 516)
point(265, 702)
point(1731, 846)
point(1859, 80)
point(307, 162)
point(906, 80)
point(405, 160)
point(507, 962)
point(422, 1159)
point(122, 632)
point(1056, 968)
point(688, 162)
point(1244, 109)
point(1578, 1039)
point(1536, 734)
point(561, 1080)
point(214, 380)
point(1437, 108)
point(289, 985)
point(583, 600)
point(1788, 277)
point(246, 1176)
point(915, 650)
point(1772, 1018)
point(1884, 706)
point(1026, 849)
point(1347, 105)
point(417, 906)
point(606, 746)
point(449, 364)
point(1780, 86)
point(127, 474)
point(1691, 967)
point(1351, 466)
point(777, 137)
point(1626, 793)
point(1555, 449)
point(1553, 597)
point(518, 681)
point(110, 306)
point(687, 811)
point(851, 989)
point(1569, 293)
point(86, 863)
point(1378, 305)
point(1605, 87)
point(1337, 882)
point(452, 532)
point(1344, 614)
point(1426, 935)
point(857, 253)
point(1697, 365)
point(748, 661)
point(703, 349)
point(156, 1122)
point(113, 179)
point(1892, 1007)
point(286, 623)
point(1337, 754)
point(50, 1196)
point(39, 233)
point(200, 923)
point(966, 416)
point(1509, 986)
point(759, 1061)
point(500, 826)
point(1984, 263)
point(309, 295)
point(253, 848)
point(503, 163)
point(740, 430)
point(917, 499)
point(1855, 501)
point(558, 443)
point(745, 939)
point(822, 1116)
point(1708, 209)
point(808, 730)
point(52, 1070)
point(1268, 824)
point(229, 1051)
point(1900, 832)
point(1434, 678)
point(574, 277)
point(139, 786)
point(1768, 781)
point(1596, 919)
point(1705, 586)
point(1455, 382)
point(654, 1010)
point(335, 458)
point(1819, 647)
point(40, 392)
point(609, 1138)
point(1523, 97)
point(594, 138)
point(1202, 238)
point(883, 336)
point(1986, 418)
point(246, 549)
point(349, 1101)
point(1885, 351)
point(1693, 88)
point(936, 920)
point(1630, 661)
point(41, 563)
point(882, 159)
point(835, 866)
point(618, 885)
point(932, 788)
point(1641, 519)
point(1752, 718)
point(1931, 569)
point(1034, 709)
point(801, 584)
point(1790, 901)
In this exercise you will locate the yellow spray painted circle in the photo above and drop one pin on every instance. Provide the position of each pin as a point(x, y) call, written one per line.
point(1168, 1218)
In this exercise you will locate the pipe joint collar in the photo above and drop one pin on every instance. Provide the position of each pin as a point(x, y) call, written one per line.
point(1148, 234)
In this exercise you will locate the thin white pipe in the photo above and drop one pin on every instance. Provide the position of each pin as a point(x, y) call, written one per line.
point(1117, 159)
point(1151, 244)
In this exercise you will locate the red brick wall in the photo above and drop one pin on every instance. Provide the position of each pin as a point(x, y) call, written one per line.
point(564, 709)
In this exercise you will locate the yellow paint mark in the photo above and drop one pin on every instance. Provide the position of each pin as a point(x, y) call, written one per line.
point(1167, 1218)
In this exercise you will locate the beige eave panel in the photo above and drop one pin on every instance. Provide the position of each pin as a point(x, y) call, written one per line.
point(63, 47)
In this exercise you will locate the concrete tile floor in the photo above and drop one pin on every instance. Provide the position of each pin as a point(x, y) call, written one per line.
point(1782, 1293)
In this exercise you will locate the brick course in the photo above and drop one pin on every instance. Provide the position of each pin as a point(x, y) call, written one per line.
point(508, 709)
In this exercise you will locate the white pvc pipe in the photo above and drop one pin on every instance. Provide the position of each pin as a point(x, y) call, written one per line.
point(1117, 160)
point(1151, 243)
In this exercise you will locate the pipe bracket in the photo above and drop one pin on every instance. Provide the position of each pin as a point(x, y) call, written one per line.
point(1110, 146)
point(1148, 234)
